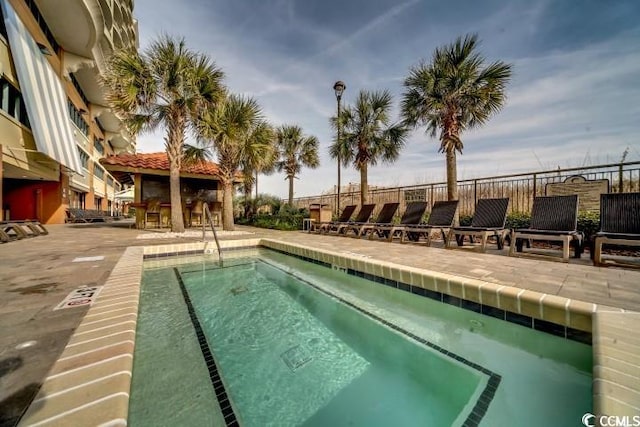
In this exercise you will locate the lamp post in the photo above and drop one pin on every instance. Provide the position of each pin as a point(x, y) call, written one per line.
point(338, 88)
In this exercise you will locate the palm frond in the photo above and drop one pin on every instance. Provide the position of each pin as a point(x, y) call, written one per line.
point(454, 92)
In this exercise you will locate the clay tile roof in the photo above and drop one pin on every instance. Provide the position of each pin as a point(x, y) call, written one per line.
point(158, 161)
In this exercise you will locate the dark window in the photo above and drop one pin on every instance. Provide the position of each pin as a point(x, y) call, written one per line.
point(3, 29)
point(79, 89)
point(98, 171)
point(110, 181)
point(84, 158)
point(76, 118)
point(97, 144)
point(43, 24)
point(78, 199)
point(12, 103)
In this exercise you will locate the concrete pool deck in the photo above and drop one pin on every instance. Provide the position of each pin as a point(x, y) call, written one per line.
point(37, 274)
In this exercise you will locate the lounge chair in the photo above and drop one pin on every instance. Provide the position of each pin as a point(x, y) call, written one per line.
point(37, 227)
point(15, 230)
point(553, 218)
point(21, 229)
point(488, 221)
point(412, 215)
point(363, 217)
point(619, 225)
point(4, 237)
point(345, 216)
point(384, 218)
point(441, 218)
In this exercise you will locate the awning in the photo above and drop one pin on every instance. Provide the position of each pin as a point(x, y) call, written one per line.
point(43, 94)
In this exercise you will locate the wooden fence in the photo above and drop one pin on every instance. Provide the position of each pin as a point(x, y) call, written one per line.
point(520, 188)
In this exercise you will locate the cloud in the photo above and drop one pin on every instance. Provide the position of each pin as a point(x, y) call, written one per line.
point(567, 104)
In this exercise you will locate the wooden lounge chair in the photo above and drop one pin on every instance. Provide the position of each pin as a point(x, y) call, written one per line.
point(553, 218)
point(345, 216)
point(15, 230)
point(36, 227)
point(363, 217)
point(619, 225)
point(4, 237)
point(384, 218)
point(440, 218)
point(412, 215)
point(488, 221)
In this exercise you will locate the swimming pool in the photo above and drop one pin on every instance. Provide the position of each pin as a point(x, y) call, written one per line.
point(297, 343)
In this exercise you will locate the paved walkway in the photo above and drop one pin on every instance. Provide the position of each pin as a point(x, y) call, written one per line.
point(37, 274)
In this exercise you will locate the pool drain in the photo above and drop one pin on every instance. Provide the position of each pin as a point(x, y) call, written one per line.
point(296, 357)
point(239, 290)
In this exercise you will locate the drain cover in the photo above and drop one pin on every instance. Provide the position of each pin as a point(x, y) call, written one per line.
point(239, 290)
point(296, 357)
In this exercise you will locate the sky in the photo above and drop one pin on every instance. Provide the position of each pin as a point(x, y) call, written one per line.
point(573, 100)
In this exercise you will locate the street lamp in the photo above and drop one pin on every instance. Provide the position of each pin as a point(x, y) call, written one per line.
point(338, 88)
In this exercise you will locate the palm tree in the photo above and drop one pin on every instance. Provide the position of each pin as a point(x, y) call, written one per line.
point(241, 140)
point(368, 135)
point(250, 174)
point(295, 151)
point(454, 92)
point(167, 86)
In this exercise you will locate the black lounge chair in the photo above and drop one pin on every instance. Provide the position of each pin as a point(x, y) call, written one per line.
point(488, 221)
point(412, 215)
point(363, 217)
point(553, 218)
point(384, 218)
point(619, 225)
point(345, 216)
point(441, 218)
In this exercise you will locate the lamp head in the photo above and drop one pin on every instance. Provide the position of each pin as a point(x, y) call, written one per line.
point(339, 88)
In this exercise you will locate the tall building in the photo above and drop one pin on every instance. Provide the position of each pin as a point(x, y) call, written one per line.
point(55, 124)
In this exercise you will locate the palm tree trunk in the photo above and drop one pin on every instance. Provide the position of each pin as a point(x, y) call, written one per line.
point(364, 185)
point(452, 174)
point(227, 205)
point(290, 190)
point(247, 203)
point(256, 184)
point(174, 144)
point(177, 222)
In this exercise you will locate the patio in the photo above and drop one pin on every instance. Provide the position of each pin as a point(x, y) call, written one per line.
point(37, 276)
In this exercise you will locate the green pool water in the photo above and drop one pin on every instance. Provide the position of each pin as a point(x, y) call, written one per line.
point(292, 350)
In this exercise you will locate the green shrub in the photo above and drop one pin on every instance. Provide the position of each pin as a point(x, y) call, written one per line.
point(465, 220)
point(287, 218)
point(589, 224)
point(518, 220)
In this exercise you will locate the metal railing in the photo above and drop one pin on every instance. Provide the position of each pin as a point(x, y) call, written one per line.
point(520, 188)
point(207, 219)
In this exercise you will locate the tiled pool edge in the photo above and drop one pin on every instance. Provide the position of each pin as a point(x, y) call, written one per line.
point(89, 384)
point(97, 391)
point(527, 308)
point(616, 363)
point(615, 392)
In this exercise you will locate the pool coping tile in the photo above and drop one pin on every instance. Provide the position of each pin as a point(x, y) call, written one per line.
point(102, 346)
